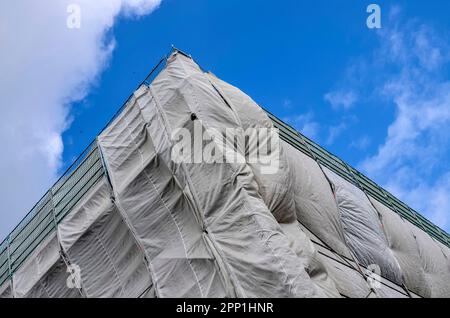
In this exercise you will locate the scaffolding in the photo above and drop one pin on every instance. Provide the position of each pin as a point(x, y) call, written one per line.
point(85, 172)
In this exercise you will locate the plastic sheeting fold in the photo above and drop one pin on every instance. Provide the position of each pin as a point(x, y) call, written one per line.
point(44, 274)
point(250, 249)
point(97, 240)
point(363, 229)
point(278, 189)
point(434, 264)
point(402, 243)
point(6, 290)
point(165, 225)
point(316, 207)
point(157, 208)
point(238, 212)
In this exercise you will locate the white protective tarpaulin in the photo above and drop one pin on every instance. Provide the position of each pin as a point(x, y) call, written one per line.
point(157, 206)
point(278, 190)
point(97, 241)
point(363, 229)
point(170, 223)
point(44, 274)
point(403, 244)
point(316, 207)
point(434, 263)
point(6, 290)
point(349, 280)
point(212, 227)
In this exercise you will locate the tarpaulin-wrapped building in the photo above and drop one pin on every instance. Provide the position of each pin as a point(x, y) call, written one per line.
point(127, 220)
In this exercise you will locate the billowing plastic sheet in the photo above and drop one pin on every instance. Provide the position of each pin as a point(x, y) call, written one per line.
point(363, 229)
point(315, 205)
point(56, 283)
point(349, 281)
point(44, 274)
point(171, 223)
point(157, 208)
point(249, 247)
point(386, 292)
point(99, 243)
point(433, 262)
point(6, 290)
point(278, 190)
point(403, 245)
point(307, 253)
point(446, 252)
point(84, 214)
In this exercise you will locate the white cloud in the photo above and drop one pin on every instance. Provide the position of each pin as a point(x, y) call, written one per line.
point(335, 131)
point(413, 160)
point(340, 99)
point(46, 66)
point(287, 103)
point(361, 143)
point(305, 124)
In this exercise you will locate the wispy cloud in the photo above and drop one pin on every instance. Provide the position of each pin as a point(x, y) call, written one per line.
point(361, 143)
point(335, 131)
point(304, 123)
point(45, 66)
point(287, 103)
point(341, 99)
point(412, 161)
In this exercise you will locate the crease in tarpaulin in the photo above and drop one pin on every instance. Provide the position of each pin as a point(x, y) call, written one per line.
point(164, 124)
point(407, 253)
point(404, 286)
point(409, 223)
point(227, 272)
point(168, 210)
point(137, 239)
point(267, 244)
point(65, 258)
point(32, 267)
point(128, 222)
point(223, 96)
point(63, 255)
point(382, 191)
point(343, 186)
point(193, 201)
point(403, 219)
point(332, 188)
point(311, 155)
point(208, 238)
point(42, 268)
point(116, 272)
point(98, 241)
point(192, 95)
point(402, 273)
point(380, 218)
point(149, 178)
point(357, 266)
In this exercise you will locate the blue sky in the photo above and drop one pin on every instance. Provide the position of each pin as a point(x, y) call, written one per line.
point(379, 99)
